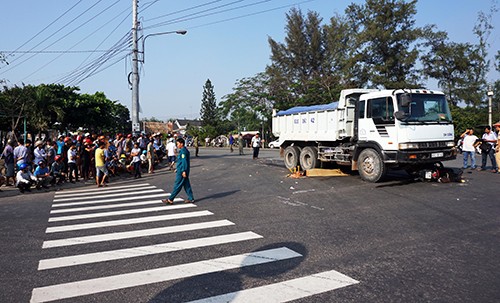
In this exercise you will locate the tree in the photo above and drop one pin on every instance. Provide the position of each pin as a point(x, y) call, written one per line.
point(453, 64)
point(298, 74)
point(387, 41)
point(249, 105)
point(208, 111)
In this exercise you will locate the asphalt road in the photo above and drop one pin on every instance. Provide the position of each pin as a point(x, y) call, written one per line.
point(394, 241)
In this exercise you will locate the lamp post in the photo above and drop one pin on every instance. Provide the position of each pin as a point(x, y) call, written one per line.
point(179, 32)
point(490, 97)
point(135, 75)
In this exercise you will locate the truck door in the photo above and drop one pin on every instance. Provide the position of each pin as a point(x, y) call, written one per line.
point(378, 123)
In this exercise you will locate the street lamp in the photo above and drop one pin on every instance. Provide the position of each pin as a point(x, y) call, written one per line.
point(179, 32)
point(490, 97)
point(135, 73)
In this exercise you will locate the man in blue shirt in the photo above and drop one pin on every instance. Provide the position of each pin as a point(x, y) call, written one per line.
point(42, 174)
point(182, 174)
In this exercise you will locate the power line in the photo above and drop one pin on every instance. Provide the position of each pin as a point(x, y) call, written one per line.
point(74, 19)
point(183, 10)
point(41, 31)
point(57, 51)
point(110, 6)
point(250, 14)
point(180, 19)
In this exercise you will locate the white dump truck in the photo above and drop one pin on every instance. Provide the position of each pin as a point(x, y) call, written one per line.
point(369, 130)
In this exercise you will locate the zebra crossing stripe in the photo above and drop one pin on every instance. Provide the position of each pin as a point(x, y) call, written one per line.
point(133, 234)
point(136, 193)
point(162, 195)
point(107, 206)
point(145, 250)
point(82, 226)
point(99, 191)
point(109, 283)
point(286, 291)
point(120, 212)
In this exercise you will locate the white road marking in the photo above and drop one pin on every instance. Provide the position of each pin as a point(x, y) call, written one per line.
point(144, 250)
point(107, 206)
point(98, 285)
point(120, 212)
point(132, 234)
point(56, 229)
point(162, 195)
point(286, 291)
point(137, 193)
point(99, 191)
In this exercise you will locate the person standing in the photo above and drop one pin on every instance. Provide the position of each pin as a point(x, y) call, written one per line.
point(39, 153)
point(73, 169)
point(151, 155)
point(171, 148)
point(256, 145)
point(497, 148)
point(231, 142)
point(489, 139)
point(241, 142)
point(21, 153)
point(469, 147)
point(100, 164)
point(182, 174)
point(136, 160)
point(8, 155)
point(196, 144)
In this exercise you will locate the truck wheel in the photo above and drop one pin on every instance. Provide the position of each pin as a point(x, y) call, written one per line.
point(309, 158)
point(370, 165)
point(291, 156)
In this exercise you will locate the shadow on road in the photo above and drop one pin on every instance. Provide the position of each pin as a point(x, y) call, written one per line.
point(229, 282)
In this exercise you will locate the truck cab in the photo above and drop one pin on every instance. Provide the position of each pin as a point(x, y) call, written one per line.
point(408, 129)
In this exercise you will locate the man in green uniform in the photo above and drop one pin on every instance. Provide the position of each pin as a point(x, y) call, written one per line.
point(182, 174)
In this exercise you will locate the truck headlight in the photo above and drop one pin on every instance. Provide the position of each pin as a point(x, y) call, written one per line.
point(408, 145)
point(450, 144)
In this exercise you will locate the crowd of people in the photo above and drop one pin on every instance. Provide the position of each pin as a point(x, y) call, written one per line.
point(488, 146)
point(81, 157)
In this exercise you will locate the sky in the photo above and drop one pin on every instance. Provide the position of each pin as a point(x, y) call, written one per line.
point(226, 40)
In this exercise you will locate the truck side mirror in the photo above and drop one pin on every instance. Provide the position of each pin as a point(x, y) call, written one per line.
point(405, 100)
point(400, 115)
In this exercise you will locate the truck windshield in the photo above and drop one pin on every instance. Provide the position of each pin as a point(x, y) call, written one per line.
point(426, 108)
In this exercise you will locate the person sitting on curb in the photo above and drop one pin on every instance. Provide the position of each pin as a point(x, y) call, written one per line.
point(43, 176)
point(57, 170)
point(24, 178)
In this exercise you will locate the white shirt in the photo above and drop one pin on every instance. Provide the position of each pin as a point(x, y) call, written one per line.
point(468, 143)
point(71, 155)
point(490, 136)
point(137, 157)
point(256, 142)
point(171, 149)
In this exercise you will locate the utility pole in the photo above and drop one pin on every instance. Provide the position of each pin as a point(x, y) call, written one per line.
point(135, 71)
point(490, 97)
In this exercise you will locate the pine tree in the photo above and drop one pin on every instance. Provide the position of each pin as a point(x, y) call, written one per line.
point(208, 111)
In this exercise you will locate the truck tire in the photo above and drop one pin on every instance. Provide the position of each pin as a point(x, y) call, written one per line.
point(309, 158)
point(291, 156)
point(370, 165)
